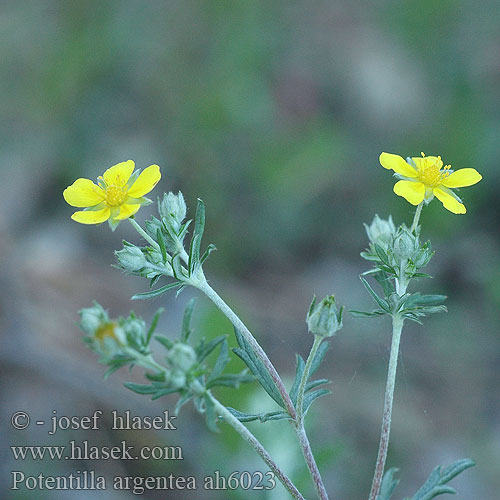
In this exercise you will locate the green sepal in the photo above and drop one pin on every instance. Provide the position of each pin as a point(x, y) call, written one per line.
point(436, 484)
point(256, 366)
point(261, 417)
point(155, 293)
point(154, 280)
point(388, 484)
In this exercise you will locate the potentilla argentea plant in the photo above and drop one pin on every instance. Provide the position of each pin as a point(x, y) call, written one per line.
point(397, 256)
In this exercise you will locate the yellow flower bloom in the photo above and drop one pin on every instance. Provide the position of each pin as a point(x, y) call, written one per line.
point(423, 178)
point(119, 194)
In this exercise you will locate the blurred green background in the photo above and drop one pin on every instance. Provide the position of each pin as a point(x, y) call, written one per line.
point(274, 113)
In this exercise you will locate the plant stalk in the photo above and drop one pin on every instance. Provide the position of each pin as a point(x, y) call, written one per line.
point(143, 233)
point(416, 217)
point(397, 327)
point(297, 425)
point(256, 445)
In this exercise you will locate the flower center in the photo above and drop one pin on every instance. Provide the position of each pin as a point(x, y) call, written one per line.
point(429, 170)
point(107, 330)
point(115, 196)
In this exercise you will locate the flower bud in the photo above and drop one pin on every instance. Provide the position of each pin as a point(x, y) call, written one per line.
point(92, 318)
point(131, 258)
point(135, 330)
point(182, 357)
point(323, 319)
point(381, 231)
point(405, 244)
point(173, 209)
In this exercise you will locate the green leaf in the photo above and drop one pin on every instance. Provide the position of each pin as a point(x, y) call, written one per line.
point(222, 361)
point(382, 303)
point(262, 417)
point(366, 314)
point(435, 485)
point(155, 293)
point(177, 267)
point(310, 397)
point(155, 377)
point(299, 370)
point(256, 366)
point(164, 392)
point(203, 350)
point(315, 383)
point(199, 227)
point(318, 358)
point(186, 320)
point(185, 398)
point(154, 280)
point(211, 248)
point(388, 485)
point(141, 388)
point(385, 282)
point(154, 324)
point(210, 415)
point(161, 242)
point(165, 341)
point(231, 380)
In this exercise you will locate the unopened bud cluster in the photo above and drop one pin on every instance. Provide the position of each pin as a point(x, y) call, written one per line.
point(399, 246)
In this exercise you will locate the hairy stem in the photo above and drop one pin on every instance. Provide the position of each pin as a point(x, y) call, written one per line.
point(297, 425)
point(397, 327)
point(305, 377)
point(416, 217)
point(241, 327)
point(256, 445)
point(143, 233)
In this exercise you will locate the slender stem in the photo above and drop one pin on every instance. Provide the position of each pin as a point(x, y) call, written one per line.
point(298, 426)
point(397, 326)
point(143, 233)
point(241, 327)
point(305, 377)
point(416, 217)
point(256, 445)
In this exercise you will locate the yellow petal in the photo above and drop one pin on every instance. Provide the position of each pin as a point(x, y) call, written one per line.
point(462, 178)
point(145, 182)
point(83, 193)
point(412, 192)
point(398, 164)
point(126, 211)
point(119, 174)
point(449, 202)
point(91, 216)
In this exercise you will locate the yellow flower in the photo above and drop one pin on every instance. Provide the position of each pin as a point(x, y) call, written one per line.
point(119, 194)
point(423, 178)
